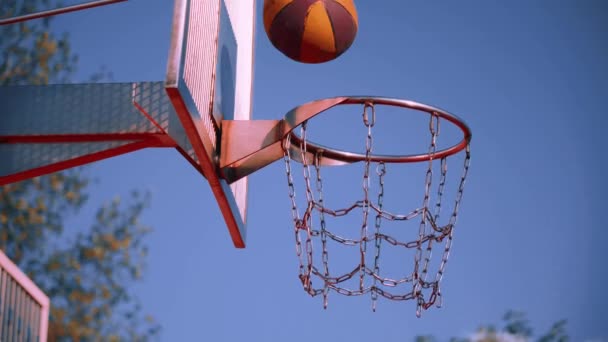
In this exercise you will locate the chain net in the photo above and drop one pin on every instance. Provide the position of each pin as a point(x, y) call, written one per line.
point(312, 230)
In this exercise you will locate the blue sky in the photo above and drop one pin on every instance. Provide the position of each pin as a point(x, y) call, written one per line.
point(529, 77)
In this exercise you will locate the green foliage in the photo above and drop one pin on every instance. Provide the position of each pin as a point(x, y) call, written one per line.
point(426, 338)
point(557, 333)
point(516, 327)
point(517, 324)
point(88, 276)
point(31, 54)
point(31, 211)
point(95, 301)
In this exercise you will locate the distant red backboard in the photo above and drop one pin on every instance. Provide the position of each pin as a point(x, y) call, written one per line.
point(24, 308)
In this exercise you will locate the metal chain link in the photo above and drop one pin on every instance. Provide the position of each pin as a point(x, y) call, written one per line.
point(369, 120)
point(429, 230)
point(294, 208)
point(380, 171)
point(324, 253)
point(452, 223)
point(307, 215)
point(421, 276)
point(440, 189)
point(305, 269)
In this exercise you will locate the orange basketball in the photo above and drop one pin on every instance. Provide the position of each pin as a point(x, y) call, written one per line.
point(311, 31)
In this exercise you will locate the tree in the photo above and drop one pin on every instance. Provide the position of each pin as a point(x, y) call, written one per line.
point(86, 275)
point(31, 54)
point(516, 328)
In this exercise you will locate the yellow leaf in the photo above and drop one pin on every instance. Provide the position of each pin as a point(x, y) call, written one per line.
point(94, 253)
point(55, 182)
point(74, 296)
point(105, 293)
point(70, 195)
point(36, 219)
point(126, 242)
point(89, 253)
point(41, 206)
point(88, 298)
point(21, 204)
point(114, 245)
point(54, 266)
point(58, 313)
point(75, 264)
point(20, 220)
point(100, 252)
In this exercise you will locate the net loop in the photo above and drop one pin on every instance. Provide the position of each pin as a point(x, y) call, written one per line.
point(368, 274)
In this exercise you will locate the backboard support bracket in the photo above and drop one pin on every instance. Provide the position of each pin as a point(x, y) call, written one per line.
point(219, 187)
point(249, 145)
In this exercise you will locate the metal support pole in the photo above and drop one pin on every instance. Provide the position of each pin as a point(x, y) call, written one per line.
point(57, 11)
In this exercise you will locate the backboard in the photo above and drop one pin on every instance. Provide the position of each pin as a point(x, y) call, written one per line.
point(209, 74)
point(209, 79)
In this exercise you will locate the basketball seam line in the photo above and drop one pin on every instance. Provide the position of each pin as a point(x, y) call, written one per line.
point(284, 8)
point(277, 14)
point(333, 28)
point(308, 10)
point(347, 11)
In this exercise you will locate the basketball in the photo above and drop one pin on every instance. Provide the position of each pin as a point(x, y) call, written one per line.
point(311, 31)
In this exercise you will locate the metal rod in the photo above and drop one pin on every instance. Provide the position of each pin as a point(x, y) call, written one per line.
point(56, 11)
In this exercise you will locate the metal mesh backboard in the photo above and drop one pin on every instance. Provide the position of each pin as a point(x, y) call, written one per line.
point(209, 78)
point(49, 128)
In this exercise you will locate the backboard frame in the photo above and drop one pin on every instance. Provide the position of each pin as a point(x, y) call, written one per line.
point(194, 85)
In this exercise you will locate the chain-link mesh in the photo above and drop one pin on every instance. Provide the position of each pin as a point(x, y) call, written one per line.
point(416, 284)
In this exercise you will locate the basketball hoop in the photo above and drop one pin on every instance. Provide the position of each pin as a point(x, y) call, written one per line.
point(426, 292)
point(203, 110)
